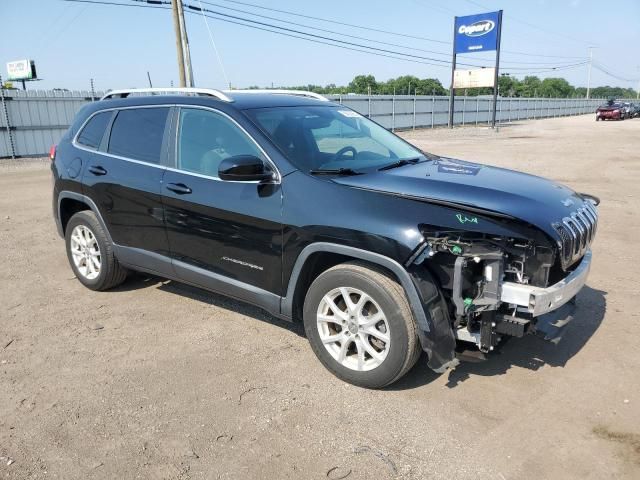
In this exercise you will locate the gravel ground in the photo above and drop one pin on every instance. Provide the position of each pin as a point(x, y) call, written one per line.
point(160, 380)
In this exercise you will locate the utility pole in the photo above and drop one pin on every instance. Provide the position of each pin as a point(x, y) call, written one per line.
point(589, 74)
point(188, 72)
point(178, 32)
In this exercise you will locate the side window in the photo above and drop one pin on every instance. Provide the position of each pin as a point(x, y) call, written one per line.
point(92, 133)
point(205, 138)
point(137, 133)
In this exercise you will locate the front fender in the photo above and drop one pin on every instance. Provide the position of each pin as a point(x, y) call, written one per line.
point(425, 299)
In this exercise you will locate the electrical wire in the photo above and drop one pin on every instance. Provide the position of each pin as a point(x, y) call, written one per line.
point(296, 34)
point(288, 22)
point(361, 27)
point(565, 67)
point(98, 2)
point(388, 32)
point(299, 32)
point(215, 48)
point(534, 26)
point(606, 71)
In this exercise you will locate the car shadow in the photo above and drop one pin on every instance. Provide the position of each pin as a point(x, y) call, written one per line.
point(137, 281)
point(530, 352)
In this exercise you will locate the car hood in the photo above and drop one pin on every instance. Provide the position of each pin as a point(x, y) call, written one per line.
point(465, 185)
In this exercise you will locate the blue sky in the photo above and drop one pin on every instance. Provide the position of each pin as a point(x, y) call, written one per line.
point(73, 42)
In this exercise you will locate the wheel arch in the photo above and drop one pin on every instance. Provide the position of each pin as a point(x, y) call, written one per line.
point(422, 290)
point(70, 203)
point(318, 257)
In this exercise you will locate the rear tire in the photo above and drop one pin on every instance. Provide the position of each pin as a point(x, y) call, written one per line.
point(371, 340)
point(90, 253)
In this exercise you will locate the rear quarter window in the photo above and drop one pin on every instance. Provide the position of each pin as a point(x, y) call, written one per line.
point(137, 133)
point(92, 133)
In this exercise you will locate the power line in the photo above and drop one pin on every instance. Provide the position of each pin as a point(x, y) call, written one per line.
point(338, 22)
point(288, 22)
point(321, 37)
point(531, 25)
point(606, 71)
point(215, 48)
point(325, 30)
point(388, 32)
point(98, 2)
point(296, 34)
point(546, 70)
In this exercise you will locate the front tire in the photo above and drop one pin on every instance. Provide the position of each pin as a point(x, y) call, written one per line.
point(90, 253)
point(360, 326)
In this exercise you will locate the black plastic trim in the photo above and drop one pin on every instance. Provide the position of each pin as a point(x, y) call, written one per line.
point(397, 269)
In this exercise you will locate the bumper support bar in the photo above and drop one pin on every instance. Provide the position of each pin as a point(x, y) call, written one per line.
point(539, 301)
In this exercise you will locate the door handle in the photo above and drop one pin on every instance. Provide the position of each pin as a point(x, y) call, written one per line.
point(97, 170)
point(179, 188)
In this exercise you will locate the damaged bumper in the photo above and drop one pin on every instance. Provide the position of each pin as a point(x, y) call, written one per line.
point(543, 311)
point(539, 301)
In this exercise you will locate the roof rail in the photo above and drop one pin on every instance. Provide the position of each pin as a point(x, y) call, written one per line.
point(301, 93)
point(124, 93)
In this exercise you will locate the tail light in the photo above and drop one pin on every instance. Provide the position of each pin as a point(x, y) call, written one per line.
point(52, 153)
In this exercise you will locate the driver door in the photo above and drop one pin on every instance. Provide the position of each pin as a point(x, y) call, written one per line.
point(223, 235)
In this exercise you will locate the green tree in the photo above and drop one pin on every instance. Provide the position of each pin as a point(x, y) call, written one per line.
point(362, 83)
point(529, 86)
point(556, 88)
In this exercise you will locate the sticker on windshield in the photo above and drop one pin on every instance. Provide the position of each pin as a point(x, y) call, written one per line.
point(349, 113)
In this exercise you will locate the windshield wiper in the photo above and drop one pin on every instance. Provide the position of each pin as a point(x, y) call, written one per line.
point(400, 163)
point(334, 171)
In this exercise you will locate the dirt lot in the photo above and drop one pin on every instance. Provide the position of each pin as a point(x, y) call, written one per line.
point(160, 380)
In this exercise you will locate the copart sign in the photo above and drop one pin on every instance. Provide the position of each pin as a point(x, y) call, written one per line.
point(477, 33)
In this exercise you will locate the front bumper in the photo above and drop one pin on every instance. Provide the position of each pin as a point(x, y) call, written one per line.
point(539, 301)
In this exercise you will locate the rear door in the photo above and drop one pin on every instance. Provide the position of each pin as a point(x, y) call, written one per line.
point(123, 177)
point(223, 235)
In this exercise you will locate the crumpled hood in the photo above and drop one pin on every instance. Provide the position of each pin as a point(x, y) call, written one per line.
point(534, 200)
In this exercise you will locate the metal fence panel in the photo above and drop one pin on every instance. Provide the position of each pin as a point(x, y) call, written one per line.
point(38, 119)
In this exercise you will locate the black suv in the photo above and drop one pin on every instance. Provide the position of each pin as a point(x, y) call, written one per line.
point(317, 214)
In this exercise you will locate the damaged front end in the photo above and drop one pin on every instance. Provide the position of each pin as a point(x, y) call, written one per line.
point(492, 286)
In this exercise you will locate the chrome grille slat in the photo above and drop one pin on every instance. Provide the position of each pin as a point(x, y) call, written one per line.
point(587, 228)
point(577, 231)
point(582, 213)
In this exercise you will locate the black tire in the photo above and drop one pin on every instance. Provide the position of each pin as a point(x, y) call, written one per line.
point(597, 118)
point(404, 346)
point(111, 272)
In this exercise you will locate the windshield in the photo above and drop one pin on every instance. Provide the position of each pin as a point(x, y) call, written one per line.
point(331, 138)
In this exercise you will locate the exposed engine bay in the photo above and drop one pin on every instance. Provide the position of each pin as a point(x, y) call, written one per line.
point(488, 283)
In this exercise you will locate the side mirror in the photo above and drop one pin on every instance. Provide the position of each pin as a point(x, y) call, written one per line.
point(244, 168)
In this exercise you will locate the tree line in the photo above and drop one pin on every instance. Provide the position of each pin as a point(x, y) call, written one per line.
point(508, 86)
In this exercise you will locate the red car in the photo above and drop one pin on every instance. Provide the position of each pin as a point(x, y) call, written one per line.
point(613, 111)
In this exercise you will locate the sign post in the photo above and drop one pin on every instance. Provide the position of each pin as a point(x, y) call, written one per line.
point(475, 33)
point(495, 84)
point(453, 72)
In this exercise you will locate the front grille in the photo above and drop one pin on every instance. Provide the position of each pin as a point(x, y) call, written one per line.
point(577, 231)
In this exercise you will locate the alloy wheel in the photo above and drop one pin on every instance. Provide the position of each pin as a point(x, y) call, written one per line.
point(85, 252)
point(353, 328)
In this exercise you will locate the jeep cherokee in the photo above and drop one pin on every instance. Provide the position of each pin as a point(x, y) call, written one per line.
point(317, 214)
